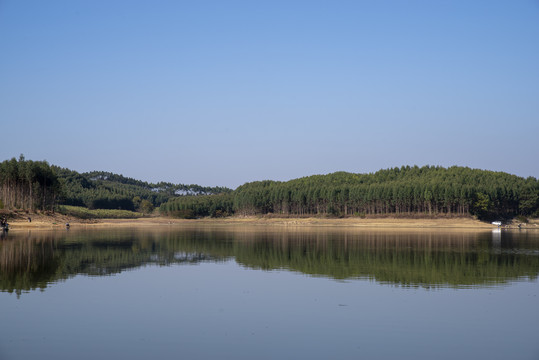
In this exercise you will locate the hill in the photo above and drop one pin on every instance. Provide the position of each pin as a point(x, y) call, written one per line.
point(404, 191)
point(36, 185)
point(106, 190)
point(428, 190)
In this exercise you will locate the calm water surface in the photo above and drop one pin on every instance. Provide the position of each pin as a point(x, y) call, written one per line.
point(259, 293)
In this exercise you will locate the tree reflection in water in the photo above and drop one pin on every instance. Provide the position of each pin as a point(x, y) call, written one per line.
point(406, 258)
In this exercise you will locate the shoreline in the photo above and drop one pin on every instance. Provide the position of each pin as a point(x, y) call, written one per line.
point(58, 221)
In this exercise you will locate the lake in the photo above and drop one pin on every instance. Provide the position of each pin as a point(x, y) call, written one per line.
point(247, 292)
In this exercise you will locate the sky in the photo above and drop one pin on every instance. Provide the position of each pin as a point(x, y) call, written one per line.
point(220, 93)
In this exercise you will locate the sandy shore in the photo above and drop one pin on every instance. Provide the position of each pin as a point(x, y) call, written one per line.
point(59, 221)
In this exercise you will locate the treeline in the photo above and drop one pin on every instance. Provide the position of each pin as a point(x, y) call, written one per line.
point(404, 191)
point(192, 207)
point(428, 190)
point(28, 184)
point(105, 190)
point(36, 185)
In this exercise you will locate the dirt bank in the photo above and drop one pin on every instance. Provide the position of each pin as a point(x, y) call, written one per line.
point(48, 221)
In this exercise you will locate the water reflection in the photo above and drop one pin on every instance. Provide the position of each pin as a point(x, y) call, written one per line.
point(497, 237)
point(415, 258)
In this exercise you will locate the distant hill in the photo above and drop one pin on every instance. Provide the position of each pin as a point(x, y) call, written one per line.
point(106, 190)
point(408, 190)
point(36, 185)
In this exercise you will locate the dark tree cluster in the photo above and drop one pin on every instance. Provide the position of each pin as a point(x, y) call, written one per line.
point(192, 207)
point(26, 184)
point(428, 190)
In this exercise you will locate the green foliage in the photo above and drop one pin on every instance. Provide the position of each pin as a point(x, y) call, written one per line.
point(34, 185)
point(482, 205)
point(189, 207)
point(407, 190)
point(428, 190)
point(146, 207)
point(26, 184)
point(85, 213)
point(105, 190)
point(183, 214)
point(529, 198)
point(136, 202)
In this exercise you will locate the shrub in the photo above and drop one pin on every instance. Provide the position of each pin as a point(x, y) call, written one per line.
point(183, 214)
point(85, 213)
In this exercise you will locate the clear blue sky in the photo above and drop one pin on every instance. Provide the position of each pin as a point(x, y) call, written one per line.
point(226, 92)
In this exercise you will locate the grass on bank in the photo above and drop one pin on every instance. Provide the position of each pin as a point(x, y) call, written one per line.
point(85, 213)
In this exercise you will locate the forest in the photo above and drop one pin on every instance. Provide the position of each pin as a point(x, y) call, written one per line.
point(106, 190)
point(404, 191)
point(36, 185)
point(26, 184)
